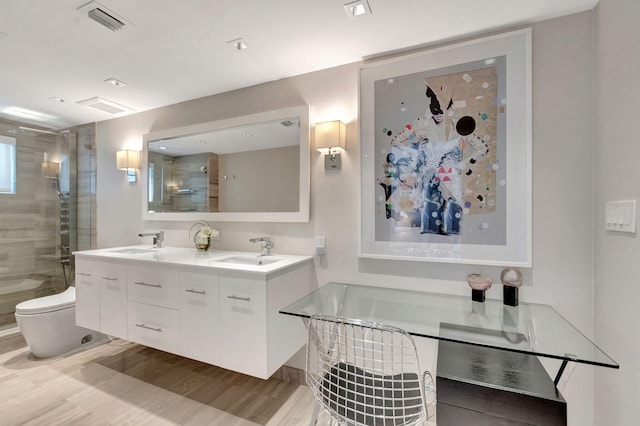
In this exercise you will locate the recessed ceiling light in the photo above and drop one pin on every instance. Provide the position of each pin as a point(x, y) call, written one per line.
point(56, 99)
point(237, 44)
point(357, 8)
point(115, 83)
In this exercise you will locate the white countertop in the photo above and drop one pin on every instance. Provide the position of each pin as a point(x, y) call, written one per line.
point(191, 257)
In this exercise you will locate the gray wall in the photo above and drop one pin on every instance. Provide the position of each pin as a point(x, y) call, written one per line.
point(617, 177)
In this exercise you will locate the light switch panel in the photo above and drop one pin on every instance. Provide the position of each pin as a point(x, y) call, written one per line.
point(621, 216)
point(321, 246)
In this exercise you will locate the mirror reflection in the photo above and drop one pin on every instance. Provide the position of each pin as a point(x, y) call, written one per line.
point(249, 168)
point(252, 168)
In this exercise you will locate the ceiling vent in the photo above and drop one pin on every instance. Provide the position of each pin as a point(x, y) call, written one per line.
point(102, 15)
point(104, 105)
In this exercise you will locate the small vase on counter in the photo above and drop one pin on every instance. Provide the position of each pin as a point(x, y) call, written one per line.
point(202, 237)
point(201, 241)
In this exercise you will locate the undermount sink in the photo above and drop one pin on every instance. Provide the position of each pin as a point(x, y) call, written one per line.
point(250, 260)
point(133, 251)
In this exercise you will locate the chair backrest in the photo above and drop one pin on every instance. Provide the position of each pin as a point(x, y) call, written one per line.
point(364, 374)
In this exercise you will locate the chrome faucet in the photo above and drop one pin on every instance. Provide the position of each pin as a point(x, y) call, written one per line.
point(158, 238)
point(265, 245)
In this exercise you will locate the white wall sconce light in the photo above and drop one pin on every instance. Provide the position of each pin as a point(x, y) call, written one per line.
point(50, 169)
point(331, 141)
point(128, 160)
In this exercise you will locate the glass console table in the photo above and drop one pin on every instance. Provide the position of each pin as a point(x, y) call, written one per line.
point(500, 336)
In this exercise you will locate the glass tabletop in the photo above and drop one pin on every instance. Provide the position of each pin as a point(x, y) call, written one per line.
point(530, 328)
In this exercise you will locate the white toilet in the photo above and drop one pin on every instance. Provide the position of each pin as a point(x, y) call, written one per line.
point(48, 324)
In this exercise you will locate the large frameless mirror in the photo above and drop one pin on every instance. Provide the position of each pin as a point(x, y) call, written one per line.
point(253, 168)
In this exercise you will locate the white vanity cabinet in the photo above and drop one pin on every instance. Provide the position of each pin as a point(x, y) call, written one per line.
point(88, 292)
point(199, 314)
point(254, 338)
point(154, 318)
point(243, 331)
point(101, 287)
point(223, 314)
point(157, 285)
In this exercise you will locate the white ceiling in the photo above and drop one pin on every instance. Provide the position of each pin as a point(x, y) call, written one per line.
point(175, 50)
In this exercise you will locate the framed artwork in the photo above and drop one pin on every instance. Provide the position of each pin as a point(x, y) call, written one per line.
point(446, 154)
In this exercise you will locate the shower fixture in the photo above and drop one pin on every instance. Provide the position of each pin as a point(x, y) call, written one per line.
point(32, 129)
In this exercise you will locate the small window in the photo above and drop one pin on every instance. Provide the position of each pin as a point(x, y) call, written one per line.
point(7, 165)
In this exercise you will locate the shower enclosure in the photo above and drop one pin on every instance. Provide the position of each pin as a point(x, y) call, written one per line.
point(47, 210)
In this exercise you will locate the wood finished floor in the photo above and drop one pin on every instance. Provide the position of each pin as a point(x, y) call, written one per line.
point(120, 383)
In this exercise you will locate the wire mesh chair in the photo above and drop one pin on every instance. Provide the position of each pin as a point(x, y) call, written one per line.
point(366, 374)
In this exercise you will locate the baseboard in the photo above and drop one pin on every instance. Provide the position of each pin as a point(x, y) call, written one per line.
point(290, 374)
point(9, 331)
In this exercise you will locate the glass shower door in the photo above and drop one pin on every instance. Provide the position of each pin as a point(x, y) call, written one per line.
point(39, 220)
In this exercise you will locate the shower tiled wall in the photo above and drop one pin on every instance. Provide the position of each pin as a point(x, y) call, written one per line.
point(30, 239)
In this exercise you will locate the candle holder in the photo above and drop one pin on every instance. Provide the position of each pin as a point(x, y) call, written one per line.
point(479, 283)
point(511, 279)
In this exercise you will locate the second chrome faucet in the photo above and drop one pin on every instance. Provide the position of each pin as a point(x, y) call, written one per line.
point(265, 245)
point(158, 238)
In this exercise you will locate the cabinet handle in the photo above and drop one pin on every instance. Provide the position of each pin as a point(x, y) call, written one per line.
point(159, 329)
point(109, 279)
point(84, 274)
point(147, 284)
point(191, 290)
point(246, 299)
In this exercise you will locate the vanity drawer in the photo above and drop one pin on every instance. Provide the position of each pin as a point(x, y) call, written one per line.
point(154, 326)
point(157, 285)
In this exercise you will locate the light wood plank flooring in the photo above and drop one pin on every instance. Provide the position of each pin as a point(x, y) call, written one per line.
point(120, 383)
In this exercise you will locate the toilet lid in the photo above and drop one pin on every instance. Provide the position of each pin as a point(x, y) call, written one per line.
point(55, 302)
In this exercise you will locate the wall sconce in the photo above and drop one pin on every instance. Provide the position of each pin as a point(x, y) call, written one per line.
point(50, 169)
point(330, 140)
point(128, 160)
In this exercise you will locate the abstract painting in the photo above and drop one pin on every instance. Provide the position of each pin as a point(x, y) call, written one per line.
point(438, 151)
